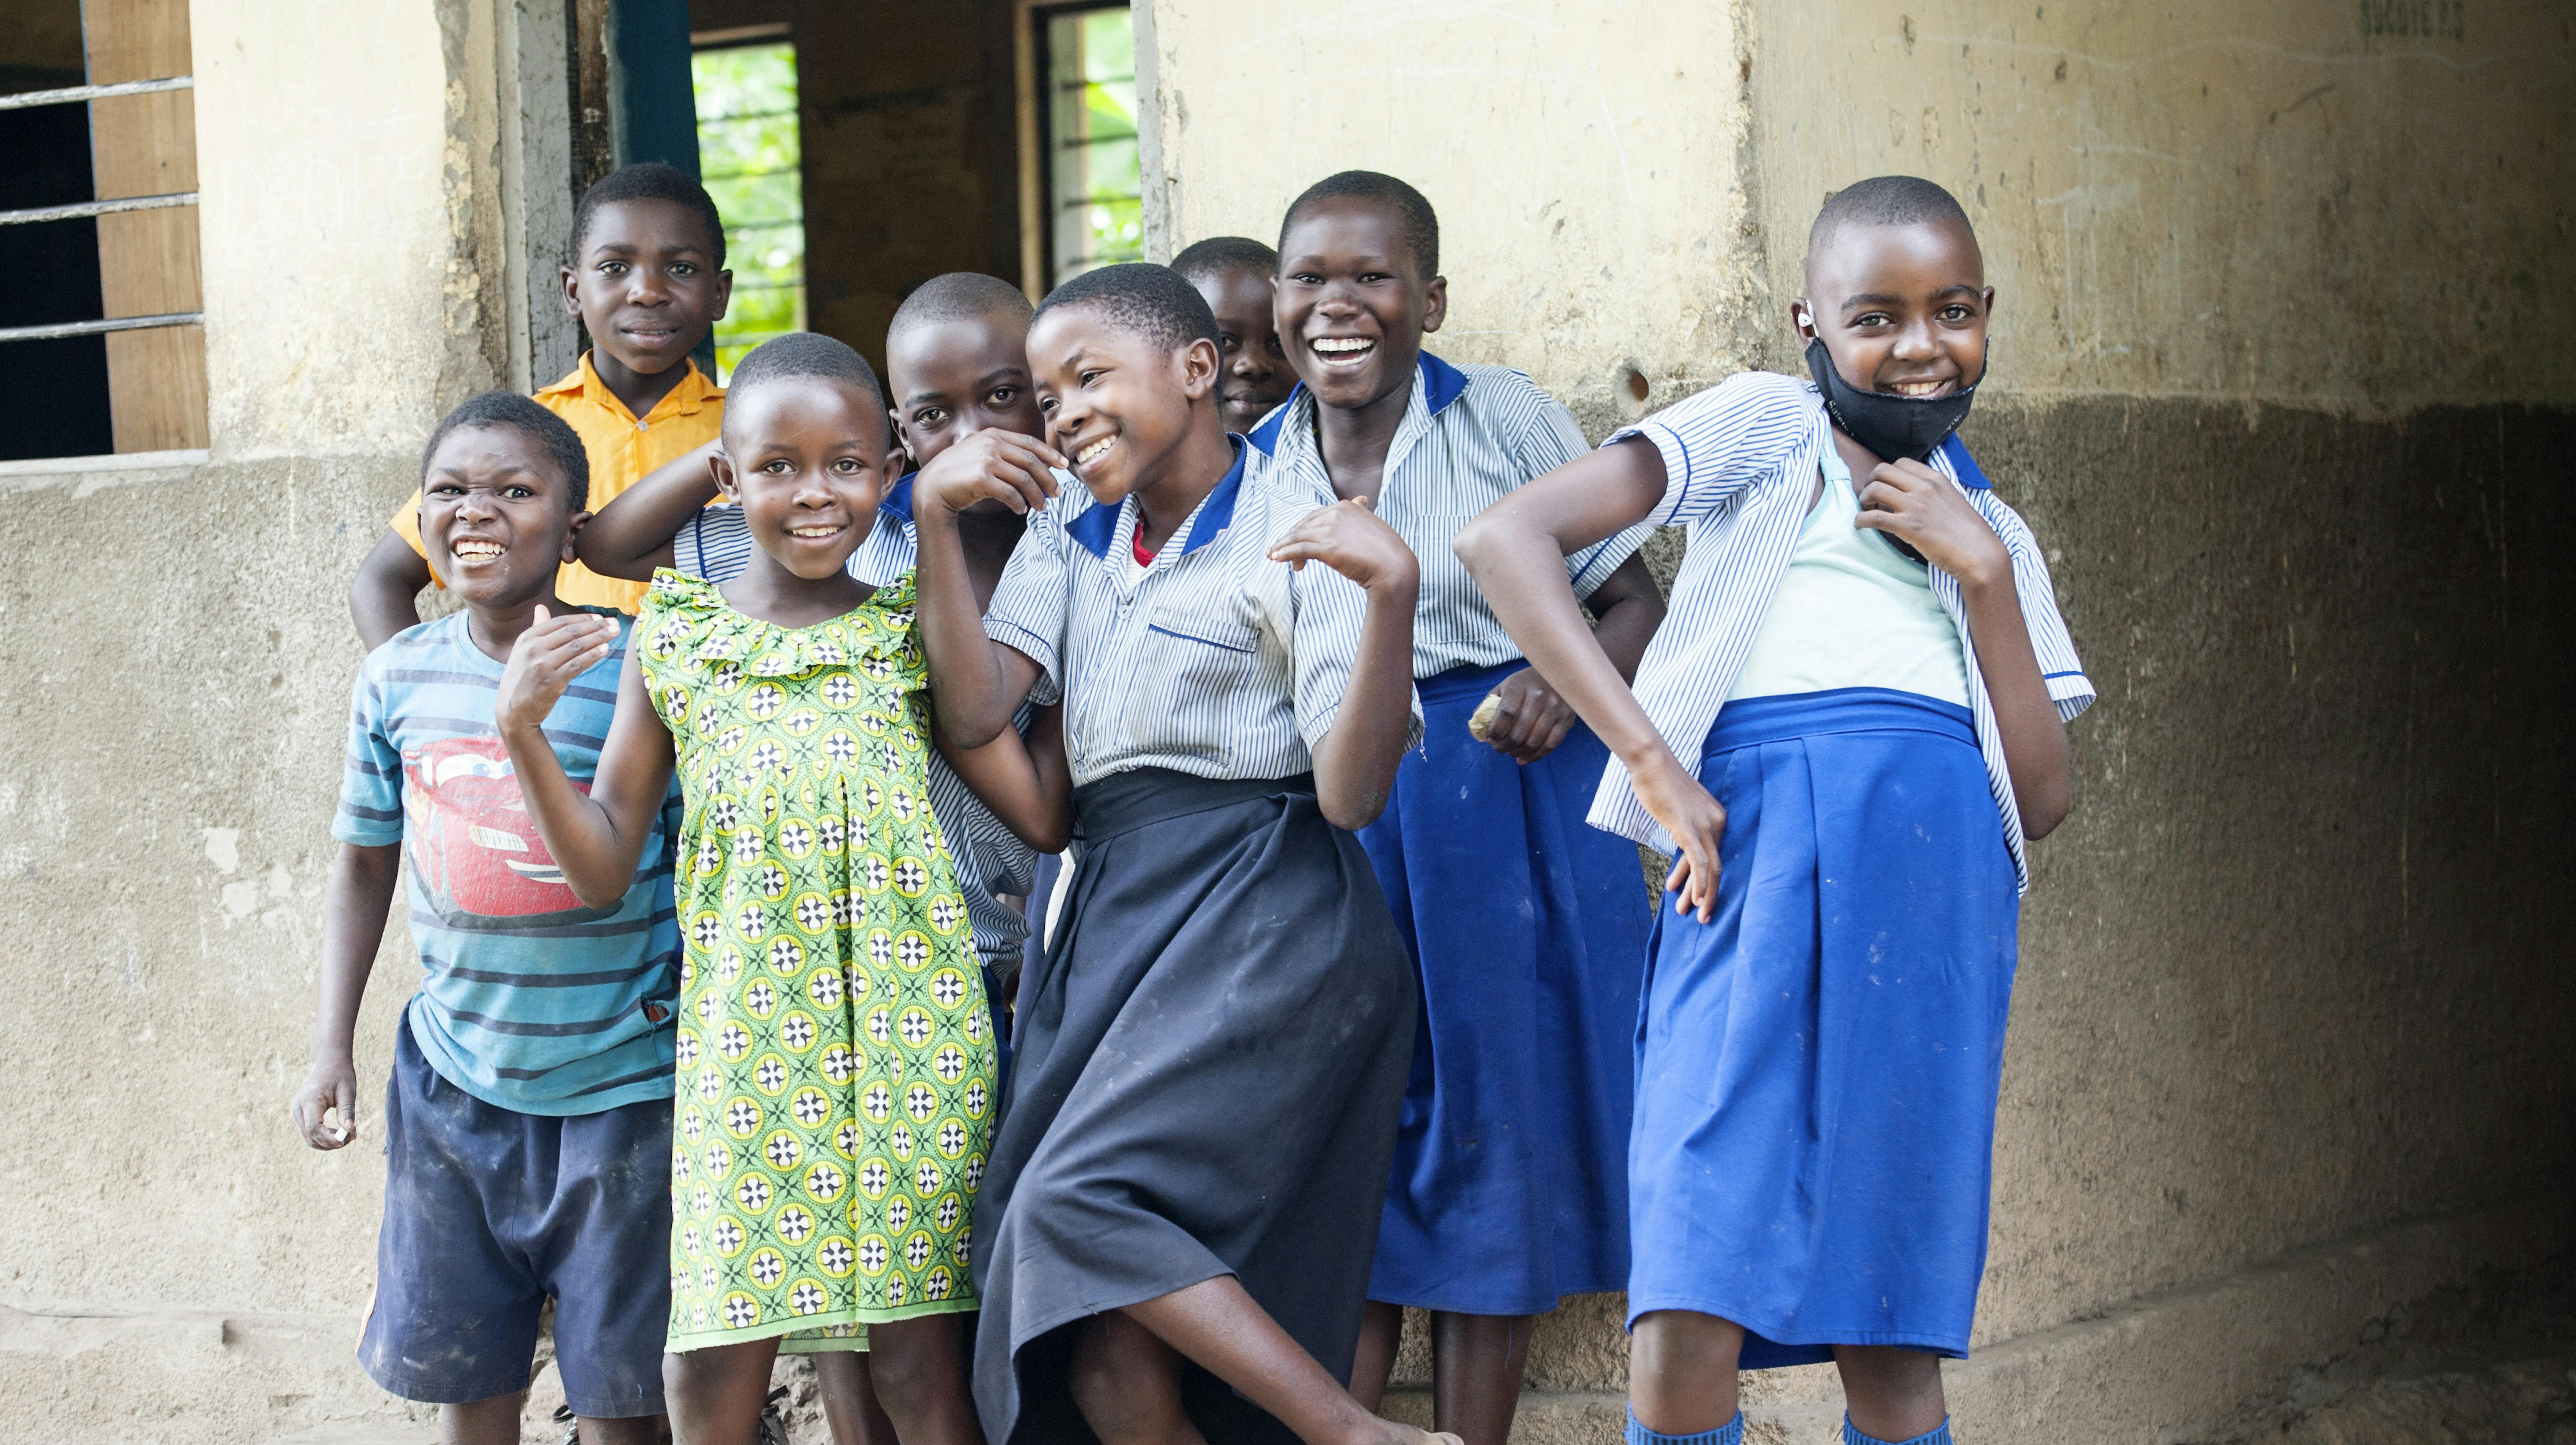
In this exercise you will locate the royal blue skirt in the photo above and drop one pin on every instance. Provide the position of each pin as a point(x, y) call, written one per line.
point(1509, 1187)
point(1816, 1068)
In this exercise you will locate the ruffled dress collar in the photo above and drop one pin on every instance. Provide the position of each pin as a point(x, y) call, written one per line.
point(686, 621)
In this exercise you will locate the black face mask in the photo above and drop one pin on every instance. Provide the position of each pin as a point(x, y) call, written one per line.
point(1891, 426)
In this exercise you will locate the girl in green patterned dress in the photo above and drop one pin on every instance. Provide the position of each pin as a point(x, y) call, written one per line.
point(835, 1055)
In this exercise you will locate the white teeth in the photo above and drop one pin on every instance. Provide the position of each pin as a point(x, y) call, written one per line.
point(476, 551)
point(1917, 388)
point(1094, 452)
point(1343, 345)
point(811, 531)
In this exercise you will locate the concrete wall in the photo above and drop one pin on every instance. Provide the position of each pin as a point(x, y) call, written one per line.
point(179, 658)
point(2275, 384)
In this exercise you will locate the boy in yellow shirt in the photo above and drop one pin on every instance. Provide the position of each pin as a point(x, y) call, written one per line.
point(648, 282)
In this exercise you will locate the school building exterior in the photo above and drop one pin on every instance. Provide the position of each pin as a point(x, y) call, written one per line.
point(2281, 379)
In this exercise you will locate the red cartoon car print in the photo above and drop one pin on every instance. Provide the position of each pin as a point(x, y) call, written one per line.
point(473, 845)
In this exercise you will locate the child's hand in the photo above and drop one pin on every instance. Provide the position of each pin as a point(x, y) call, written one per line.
point(331, 1088)
point(1003, 466)
point(1529, 719)
point(1349, 538)
point(1918, 506)
point(545, 660)
point(1696, 822)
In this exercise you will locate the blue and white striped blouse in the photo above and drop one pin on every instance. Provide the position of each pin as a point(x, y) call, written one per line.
point(1216, 662)
point(715, 544)
point(1739, 461)
point(1469, 435)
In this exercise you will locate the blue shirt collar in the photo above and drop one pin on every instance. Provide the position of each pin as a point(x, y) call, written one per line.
point(1441, 384)
point(1098, 527)
point(1964, 466)
point(899, 500)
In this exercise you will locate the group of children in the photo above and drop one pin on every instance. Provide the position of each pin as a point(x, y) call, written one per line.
point(1333, 672)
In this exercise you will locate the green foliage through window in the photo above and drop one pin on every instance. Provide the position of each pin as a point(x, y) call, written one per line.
point(750, 148)
point(1096, 205)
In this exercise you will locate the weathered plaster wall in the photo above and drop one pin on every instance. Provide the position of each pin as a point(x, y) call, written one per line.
point(2275, 380)
point(1588, 162)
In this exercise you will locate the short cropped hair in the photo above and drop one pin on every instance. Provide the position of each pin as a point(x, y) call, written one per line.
point(1219, 254)
point(959, 296)
point(1885, 201)
point(1414, 216)
point(802, 353)
point(1155, 302)
point(649, 181)
point(552, 434)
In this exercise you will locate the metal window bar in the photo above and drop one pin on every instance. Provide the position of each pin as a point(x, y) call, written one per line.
point(96, 208)
point(101, 328)
point(79, 93)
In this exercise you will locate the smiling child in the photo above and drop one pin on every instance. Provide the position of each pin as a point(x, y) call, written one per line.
point(648, 281)
point(1210, 1063)
point(528, 1118)
point(1509, 1188)
point(835, 1049)
point(1234, 273)
point(1848, 748)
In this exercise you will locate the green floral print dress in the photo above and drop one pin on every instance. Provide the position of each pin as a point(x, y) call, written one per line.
point(835, 1053)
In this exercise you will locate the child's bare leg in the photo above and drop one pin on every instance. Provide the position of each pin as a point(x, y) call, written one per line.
point(1476, 1366)
point(1218, 1325)
point(919, 1369)
point(715, 1394)
point(629, 1430)
point(1380, 1328)
point(850, 1399)
point(484, 1422)
point(1681, 1371)
point(1127, 1384)
point(1892, 1394)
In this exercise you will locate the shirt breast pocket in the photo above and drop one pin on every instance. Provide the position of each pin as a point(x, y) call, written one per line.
point(1194, 664)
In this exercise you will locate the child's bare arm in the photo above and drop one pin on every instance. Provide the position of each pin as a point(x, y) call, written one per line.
point(360, 894)
point(1516, 552)
point(1355, 763)
point(1024, 781)
point(1917, 505)
point(1531, 718)
point(632, 535)
point(596, 837)
point(980, 681)
point(385, 599)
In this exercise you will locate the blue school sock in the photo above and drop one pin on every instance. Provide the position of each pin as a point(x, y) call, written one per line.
point(1730, 1433)
point(1938, 1435)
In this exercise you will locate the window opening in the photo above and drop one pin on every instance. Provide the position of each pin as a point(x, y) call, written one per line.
point(100, 224)
point(751, 157)
point(1094, 199)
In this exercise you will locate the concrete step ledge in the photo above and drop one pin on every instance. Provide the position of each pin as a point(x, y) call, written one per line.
point(2166, 1367)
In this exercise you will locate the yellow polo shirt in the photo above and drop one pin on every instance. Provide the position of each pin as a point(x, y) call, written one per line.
point(622, 452)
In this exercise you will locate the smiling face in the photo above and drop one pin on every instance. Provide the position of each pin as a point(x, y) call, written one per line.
point(1116, 404)
point(1902, 309)
point(646, 284)
point(806, 456)
point(496, 517)
point(1257, 377)
point(1353, 306)
point(953, 379)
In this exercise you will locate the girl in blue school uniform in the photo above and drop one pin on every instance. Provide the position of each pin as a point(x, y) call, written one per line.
point(1848, 728)
point(1509, 1186)
point(1211, 1058)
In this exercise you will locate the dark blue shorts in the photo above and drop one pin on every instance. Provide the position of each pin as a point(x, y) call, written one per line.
point(489, 1211)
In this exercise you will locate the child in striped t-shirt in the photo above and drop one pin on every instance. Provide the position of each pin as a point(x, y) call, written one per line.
point(528, 1119)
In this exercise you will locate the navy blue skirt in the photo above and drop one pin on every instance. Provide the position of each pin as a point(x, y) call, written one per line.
point(1510, 1183)
point(1817, 1067)
point(1206, 1082)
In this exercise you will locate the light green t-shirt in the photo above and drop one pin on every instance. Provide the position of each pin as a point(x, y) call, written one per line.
point(1852, 611)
